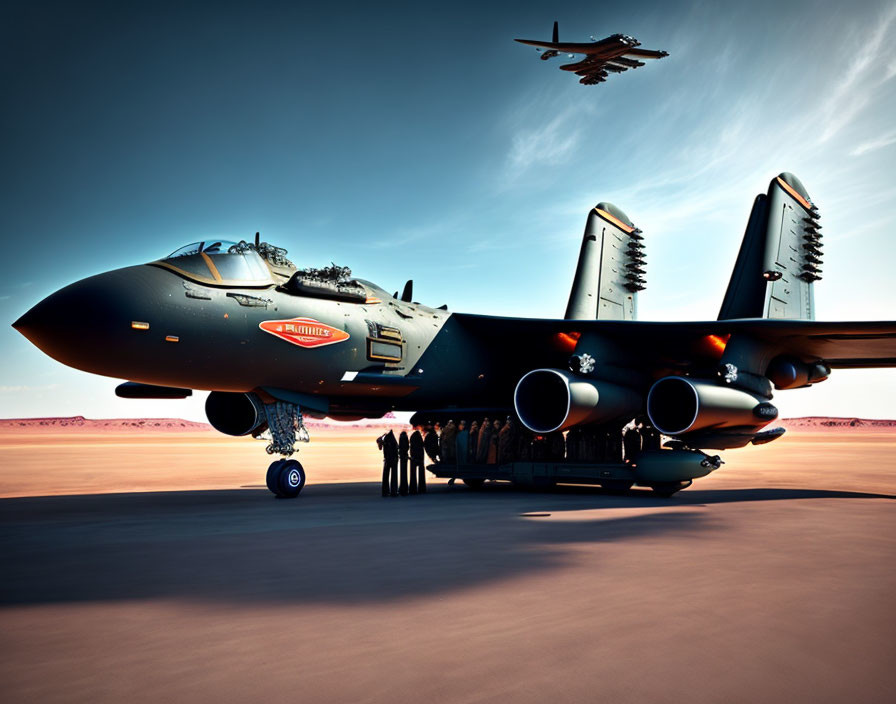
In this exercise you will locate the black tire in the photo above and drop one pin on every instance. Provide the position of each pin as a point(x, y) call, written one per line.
point(291, 480)
point(474, 483)
point(273, 477)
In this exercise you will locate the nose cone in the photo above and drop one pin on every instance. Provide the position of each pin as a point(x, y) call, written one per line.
point(86, 325)
point(35, 324)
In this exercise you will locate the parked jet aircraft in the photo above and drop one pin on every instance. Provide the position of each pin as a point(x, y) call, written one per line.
point(274, 343)
point(615, 54)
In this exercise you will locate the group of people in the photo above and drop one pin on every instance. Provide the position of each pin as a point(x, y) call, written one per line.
point(397, 453)
point(603, 444)
point(494, 442)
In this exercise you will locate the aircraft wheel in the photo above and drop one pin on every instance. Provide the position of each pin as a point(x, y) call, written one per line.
point(273, 476)
point(291, 480)
point(666, 489)
point(474, 483)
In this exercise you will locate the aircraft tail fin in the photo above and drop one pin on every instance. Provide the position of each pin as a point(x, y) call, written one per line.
point(556, 35)
point(610, 270)
point(779, 257)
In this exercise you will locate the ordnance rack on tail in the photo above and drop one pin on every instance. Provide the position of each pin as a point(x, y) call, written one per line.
point(780, 256)
point(611, 268)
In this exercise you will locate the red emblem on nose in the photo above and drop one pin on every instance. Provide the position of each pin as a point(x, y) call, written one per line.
point(304, 332)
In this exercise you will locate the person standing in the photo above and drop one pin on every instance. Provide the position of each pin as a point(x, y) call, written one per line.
point(418, 457)
point(416, 453)
point(631, 443)
point(505, 443)
point(482, 444)
point(462, 442)
point(389, 446)
point(474, 439)
point(403, 448)
point(431, 443)
point(447, 440)
point(493, 443)
point(431, 447)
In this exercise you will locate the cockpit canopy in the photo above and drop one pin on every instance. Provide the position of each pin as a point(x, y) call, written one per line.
point(219, 263)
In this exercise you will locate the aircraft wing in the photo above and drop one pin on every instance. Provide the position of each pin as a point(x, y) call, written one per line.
point(646, 53)
point(603, 45)
point(840, 344)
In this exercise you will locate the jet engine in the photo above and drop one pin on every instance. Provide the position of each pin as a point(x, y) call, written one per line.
point(677, 405)
point(235, 413)
point(547, 400)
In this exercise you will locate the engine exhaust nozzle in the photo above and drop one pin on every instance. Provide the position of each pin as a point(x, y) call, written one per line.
point(548, 400)
point(677, 405)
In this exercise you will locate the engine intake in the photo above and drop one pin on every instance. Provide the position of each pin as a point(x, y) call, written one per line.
point(677, 405)
point(235, 413)
point(547, 400)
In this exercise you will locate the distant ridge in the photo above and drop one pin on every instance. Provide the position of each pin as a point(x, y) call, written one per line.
point(103, 424)
point(163, 425)
point(824, 422)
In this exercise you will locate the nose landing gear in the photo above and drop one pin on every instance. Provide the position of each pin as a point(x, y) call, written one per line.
point(286, 478)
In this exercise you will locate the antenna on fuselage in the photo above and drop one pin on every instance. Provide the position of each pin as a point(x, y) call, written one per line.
point(257, 239)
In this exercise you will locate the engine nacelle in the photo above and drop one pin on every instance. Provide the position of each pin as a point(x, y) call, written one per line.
point(677, 405)
point(547, 400)
point(235, 413)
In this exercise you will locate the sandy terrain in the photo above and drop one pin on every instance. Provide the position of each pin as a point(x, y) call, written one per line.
point(771, 580)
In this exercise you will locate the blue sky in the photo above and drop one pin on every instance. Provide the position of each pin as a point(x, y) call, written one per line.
point(419, 141)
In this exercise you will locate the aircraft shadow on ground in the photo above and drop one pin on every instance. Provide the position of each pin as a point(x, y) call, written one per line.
point(339, 544)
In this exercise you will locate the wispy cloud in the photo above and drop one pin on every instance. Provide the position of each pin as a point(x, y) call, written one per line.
point(871, 145)
point(549, 143)
point(855, 91)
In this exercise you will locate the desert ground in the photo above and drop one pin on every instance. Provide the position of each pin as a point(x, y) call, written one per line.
point(155, 566)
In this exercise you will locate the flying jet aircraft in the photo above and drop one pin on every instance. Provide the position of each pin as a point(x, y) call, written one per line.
point(274, 343)
point(615, 54)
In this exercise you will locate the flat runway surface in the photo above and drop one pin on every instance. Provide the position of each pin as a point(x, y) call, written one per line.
point(771, 580)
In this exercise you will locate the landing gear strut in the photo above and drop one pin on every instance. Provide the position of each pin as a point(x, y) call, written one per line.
point(284, 427)
point(286, 478)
